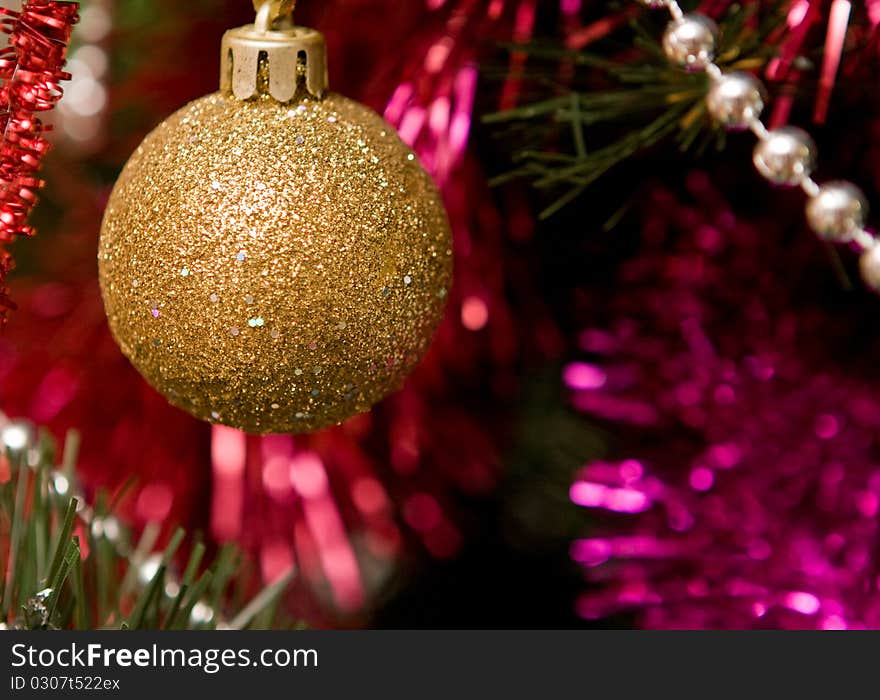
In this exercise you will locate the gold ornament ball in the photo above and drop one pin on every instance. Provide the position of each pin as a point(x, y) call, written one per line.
point(274, 267)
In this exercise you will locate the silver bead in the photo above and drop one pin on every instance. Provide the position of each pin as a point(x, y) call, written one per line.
point(690, 41)
point(735, 100)
point(786, 156)
point(869, 264)
point(838, 212)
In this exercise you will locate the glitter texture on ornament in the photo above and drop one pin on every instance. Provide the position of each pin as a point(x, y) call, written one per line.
point(304, 220)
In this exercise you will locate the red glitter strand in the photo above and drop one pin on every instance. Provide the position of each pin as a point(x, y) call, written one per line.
point(30, 82)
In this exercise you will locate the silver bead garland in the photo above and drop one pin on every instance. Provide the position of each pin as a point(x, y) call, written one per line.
point(836, 211)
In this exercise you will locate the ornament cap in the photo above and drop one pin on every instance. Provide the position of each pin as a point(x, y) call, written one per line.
point(292, 54)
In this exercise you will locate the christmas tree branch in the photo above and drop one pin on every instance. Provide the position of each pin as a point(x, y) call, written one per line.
point(71, 566)
point(610, 110)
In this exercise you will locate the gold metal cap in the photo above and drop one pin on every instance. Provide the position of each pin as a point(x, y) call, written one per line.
point(292, 53)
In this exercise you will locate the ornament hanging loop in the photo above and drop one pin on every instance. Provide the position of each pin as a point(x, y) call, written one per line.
point(274, 14)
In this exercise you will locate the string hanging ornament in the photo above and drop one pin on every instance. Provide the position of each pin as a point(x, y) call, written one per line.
point(273, 257)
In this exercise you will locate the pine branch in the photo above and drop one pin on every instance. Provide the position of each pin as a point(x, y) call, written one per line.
point(612, 109)
point(64, 561)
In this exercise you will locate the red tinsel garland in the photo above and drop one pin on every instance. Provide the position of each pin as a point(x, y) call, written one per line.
point(30, 82)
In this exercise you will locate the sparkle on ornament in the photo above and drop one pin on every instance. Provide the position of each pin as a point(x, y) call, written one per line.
point(332, 120)
point(298, 372)
point(276, 406)
point(249, 300)
point(256, 323)
point(275, 334)
point(241, 256)
point(300, 140)
point(407, 280)
point(234, 331)
point(215, 184)
point(184, 272)
point(214, 298)
point(215, 415)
